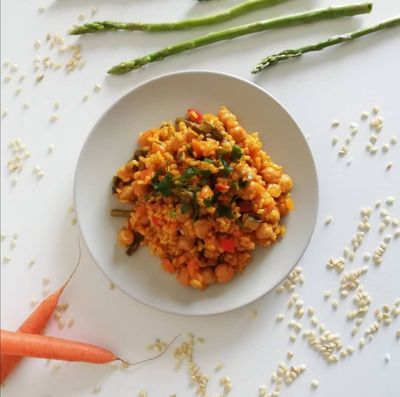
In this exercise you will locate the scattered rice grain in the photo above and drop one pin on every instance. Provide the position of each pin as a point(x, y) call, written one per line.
point(390, 200)
point(314, 384)
point(262, 391)
point(364, 115)
point(218, 366)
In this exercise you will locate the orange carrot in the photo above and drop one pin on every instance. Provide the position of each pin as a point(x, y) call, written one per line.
point(40, 346)
point(35, 324)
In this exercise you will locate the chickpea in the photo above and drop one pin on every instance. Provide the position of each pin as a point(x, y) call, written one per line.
point(270, 174)
point(183, 277)
point(125, 173)
point(286, 183)
point(283, 209)
point(202, 227)
point(144, 138)
point(208, 275)
point(125, 237)
point(224, 115)
point(231, 259)
point(127, 193)
point(289, 203)
point(274, 190)
point(238, 133)
point(264, 231)
point(140, 190)
point(231, 123)
point(141, 211)
point(193, 268)
point(185, 243)
point(224, 273)
point(274, 216)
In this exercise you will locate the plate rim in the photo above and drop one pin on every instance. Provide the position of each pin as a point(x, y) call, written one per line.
point(120, 99)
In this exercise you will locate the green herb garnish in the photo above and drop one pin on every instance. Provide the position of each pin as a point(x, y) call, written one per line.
point(172, 214)
point(210, 201)
point(227, 168)
point(188, 174)
point(205, 176)
point(242, 184)
point(237, 153)
point(224, 210)
point(165, 185)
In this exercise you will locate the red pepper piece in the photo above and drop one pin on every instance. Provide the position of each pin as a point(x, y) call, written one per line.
point(194, 115)
point(228, 244)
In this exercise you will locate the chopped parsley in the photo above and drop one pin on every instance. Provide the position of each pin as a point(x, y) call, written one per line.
point(227, 168)
point(237, 153)
point(209, 201)
point(188, 174)
point(164, 186)
point(205, 176)
point(224, 210)
point(242, 184)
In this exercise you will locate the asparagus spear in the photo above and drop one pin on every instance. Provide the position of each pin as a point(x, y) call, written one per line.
point(293, 53)
point(230, 33)
point(230, 13)
point(120, 213)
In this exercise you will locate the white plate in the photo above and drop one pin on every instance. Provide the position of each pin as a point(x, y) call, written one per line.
point(111, 143)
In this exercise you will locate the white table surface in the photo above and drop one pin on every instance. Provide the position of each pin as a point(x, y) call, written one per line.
point(337, 84)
